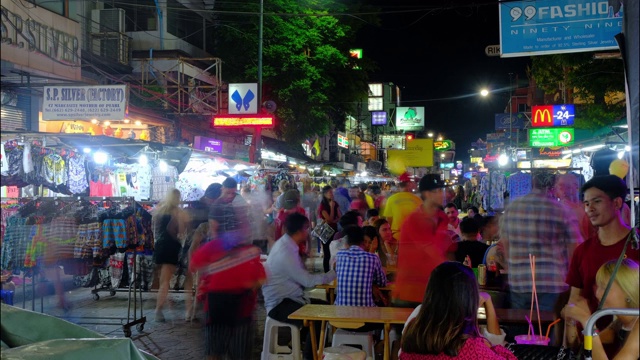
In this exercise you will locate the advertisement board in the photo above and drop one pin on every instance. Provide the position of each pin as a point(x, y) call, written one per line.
point(207, 144)
point(443, 145)
point(108, 102)
point(509, 121)
point(392, 141)
point(418, 153)
point(558, 26)
point(243, 98)
point(547, 152)
point(240, 121)
point(551, 137)
point(552, 115)
point(410, 118)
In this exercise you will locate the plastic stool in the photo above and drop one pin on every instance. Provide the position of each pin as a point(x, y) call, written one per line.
point(364, 340)
point(270, 348)
point(7, 296)
point(343, 353)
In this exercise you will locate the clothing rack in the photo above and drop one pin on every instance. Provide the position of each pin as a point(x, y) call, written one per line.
point(134, 292)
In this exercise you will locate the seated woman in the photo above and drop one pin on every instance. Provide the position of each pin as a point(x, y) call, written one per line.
point(620, 339)
point(446, 323)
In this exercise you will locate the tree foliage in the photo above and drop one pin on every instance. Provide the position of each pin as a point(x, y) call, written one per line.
point(596, 82)
point(306, 69)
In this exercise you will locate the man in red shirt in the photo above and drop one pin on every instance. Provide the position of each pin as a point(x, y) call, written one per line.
point(603, 203)
point(424, 241)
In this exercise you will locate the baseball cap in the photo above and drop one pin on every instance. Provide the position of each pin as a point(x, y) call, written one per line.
point(213, 191)
point(430, 182)
point(230, 183)
point(290, 199)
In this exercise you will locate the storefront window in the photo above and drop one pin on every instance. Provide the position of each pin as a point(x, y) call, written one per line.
point(55, 6)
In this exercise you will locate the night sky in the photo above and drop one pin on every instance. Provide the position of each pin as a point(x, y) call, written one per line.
point(439, 53)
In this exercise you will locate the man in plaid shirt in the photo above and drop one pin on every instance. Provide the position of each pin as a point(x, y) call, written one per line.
point(539, 225)
point(357, 270)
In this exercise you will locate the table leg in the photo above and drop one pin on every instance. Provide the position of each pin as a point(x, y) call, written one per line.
point(332, 296)
point(323, 326)
point(387, 342)
point(314, 344)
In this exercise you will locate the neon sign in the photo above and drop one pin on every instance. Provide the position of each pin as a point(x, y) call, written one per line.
point(442, 145)
point(552, 115)
point(239, 121)
point(551, 137)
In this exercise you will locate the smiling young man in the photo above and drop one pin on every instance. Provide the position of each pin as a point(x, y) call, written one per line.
point(603, 201)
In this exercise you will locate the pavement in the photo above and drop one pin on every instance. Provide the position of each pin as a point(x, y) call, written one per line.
point(173, 339)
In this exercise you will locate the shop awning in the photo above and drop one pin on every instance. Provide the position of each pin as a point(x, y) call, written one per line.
point(291, 150)
point(123, 150)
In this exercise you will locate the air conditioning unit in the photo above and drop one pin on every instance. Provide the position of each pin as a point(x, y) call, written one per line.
point(107, 20)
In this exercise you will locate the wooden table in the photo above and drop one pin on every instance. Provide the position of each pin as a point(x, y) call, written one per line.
point(517, 316)
point(349, 317)
point(331, 289)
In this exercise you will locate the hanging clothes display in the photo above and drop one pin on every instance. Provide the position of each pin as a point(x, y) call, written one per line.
point(162, 181)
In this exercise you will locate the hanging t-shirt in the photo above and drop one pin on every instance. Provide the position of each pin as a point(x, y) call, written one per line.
point(77, 174)
point(584, 162)
point(492, 188)
point(54, 169)
point(4, 169)
point(163, 181)
point(27, 160)
point(133, 180)
point(518, 185)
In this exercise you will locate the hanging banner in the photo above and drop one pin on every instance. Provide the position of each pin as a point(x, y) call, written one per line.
point(558, 26)
point(207, 144)
point(107, 102)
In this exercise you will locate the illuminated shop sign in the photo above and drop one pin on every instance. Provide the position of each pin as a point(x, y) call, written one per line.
point(378, 118)
point(442, 145)
point(552, 115)
point(239, 121)
point(343, 141)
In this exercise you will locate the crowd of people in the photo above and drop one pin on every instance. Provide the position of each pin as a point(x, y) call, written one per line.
point(410, 233)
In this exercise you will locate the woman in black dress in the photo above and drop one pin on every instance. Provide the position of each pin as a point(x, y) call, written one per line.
point(169, 223)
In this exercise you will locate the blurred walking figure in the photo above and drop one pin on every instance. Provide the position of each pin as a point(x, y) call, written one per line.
point(169, 222)
point(536, 224)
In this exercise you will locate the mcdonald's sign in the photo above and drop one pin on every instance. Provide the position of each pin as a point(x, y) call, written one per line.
point(552, 115)
point(541, 116)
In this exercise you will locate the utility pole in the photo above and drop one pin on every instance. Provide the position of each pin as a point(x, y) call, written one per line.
point(257, 134)
point(510, 110)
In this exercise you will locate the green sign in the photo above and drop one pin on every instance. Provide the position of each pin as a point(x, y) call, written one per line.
point(549, 137)
point(442, 145)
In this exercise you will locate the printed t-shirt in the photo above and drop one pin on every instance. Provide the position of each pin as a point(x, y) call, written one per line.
point(424, 241)
point(399, 206)
point(587, 260)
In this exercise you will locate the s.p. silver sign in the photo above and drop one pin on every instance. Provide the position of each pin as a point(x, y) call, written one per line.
point(107, 102)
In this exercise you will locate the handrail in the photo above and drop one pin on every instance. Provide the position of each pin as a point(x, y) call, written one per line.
point(588, 329)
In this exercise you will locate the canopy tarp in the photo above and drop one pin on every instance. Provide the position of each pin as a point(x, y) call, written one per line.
point(31, 335)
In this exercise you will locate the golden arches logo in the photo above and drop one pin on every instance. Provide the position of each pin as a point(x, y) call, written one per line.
point(542, 116)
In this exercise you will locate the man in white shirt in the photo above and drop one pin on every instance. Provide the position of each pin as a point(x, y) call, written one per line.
point(287, 276)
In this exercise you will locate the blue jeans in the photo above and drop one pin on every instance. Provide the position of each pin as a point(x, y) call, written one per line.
point(546, 301)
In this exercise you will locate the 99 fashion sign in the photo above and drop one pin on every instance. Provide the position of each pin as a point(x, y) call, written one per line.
point(552, 115)
point(85, 102)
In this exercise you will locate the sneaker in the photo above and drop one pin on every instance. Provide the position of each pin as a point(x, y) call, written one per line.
point(160, 316)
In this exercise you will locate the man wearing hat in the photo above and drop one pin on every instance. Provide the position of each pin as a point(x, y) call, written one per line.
point(539, 225)
point(423, 245)
point(401, 204)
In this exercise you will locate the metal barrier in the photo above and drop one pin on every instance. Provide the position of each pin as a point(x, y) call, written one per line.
point(588, 330)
